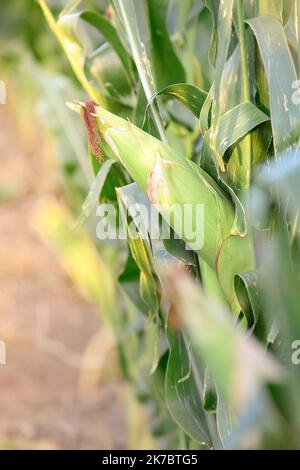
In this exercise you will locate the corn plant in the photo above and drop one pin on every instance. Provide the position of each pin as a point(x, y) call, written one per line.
point(194, 103)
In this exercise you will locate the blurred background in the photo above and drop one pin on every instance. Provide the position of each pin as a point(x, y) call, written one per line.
point(61, 387)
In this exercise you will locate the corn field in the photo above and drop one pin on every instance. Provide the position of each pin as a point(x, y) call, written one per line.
point(188, 111)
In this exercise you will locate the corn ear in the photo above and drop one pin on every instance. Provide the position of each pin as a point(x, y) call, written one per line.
point(172, 181)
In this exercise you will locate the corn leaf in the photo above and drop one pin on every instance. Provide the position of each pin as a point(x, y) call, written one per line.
point(65, 31)
point(167, 67)
point(109, 32)
point(281, 75)
point(190, 96)
point(94, 194)
point(182, 391)
point(231, 128)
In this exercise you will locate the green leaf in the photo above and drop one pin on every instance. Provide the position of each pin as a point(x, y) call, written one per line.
point(166, 65)
point(65, 31)
point(206, 112)
point(212, 6)
point(224, 26)
point(271, 8)
point(139, 244)
point(70, 7)
point(189, 95)
point(261, 143)
point(232, 127)
point(141, 252)
point(210, 398)
point(94, 194)
point(182, 390)
point(127, 14)
point(292, 31)
point(111, 35)
point(236, 123)
point(231, 81)
point(281, 75)
point(249, 295)
point(175, 246)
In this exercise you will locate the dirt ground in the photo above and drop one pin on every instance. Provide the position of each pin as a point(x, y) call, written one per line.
point(47, 399)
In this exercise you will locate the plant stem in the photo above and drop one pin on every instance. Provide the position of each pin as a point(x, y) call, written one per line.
point(135, 45)
point(245, 173)
point(243, 46)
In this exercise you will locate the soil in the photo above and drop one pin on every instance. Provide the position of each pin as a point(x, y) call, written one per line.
point(53, 395)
